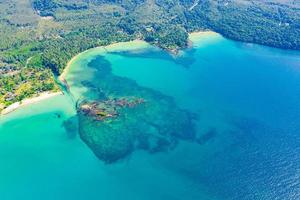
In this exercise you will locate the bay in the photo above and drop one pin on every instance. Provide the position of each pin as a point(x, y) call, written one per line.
point(245, 97)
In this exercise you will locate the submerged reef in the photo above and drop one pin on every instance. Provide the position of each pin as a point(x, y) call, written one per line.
point(123, 116)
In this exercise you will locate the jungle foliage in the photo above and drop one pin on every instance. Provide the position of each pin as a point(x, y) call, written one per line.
point(38, 37)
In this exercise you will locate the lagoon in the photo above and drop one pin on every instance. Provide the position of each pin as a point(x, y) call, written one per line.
point(246, 101)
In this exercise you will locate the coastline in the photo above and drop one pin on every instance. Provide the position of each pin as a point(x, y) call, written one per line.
point(29, 101)
point(118, 46)
point(67, 68)
point(195, 35)
point(198, 36)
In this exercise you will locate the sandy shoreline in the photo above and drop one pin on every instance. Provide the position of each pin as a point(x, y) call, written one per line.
point(202, 33)
point(111, 47)
point(197, 36)
point(128, 45)
point(25, 102)
point(63, 75)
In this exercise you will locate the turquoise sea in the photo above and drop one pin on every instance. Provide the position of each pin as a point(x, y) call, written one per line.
point(245, 100)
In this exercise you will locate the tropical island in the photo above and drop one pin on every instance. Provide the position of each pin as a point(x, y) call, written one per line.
point(39, 37)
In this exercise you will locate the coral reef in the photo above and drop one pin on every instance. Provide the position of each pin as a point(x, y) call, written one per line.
point(127, 117)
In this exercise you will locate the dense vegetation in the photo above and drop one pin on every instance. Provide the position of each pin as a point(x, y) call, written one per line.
point(38, 37)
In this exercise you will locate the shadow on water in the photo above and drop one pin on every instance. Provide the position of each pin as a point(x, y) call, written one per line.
point(185, 60)
point(209, 135)
point(71, 127)
point(249, 129)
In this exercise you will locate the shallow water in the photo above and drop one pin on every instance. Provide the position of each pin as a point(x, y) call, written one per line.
point(246, 98)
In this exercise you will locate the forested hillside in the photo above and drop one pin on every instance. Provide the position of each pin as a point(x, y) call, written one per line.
point(38, 37)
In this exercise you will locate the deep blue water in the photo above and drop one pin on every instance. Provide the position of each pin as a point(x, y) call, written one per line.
point(247, 101)
point(247, 97)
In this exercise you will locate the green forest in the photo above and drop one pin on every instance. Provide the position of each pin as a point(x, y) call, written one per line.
point(39, 37)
